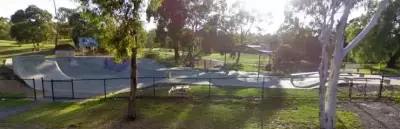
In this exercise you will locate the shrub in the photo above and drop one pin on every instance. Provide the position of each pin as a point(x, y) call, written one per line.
point(65, 47)
point(151, 55)
point(234, 66)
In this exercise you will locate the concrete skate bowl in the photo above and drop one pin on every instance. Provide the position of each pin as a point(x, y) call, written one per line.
point(79, 77)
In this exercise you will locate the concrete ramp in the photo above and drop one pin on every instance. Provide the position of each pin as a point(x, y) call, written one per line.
point(37, 67)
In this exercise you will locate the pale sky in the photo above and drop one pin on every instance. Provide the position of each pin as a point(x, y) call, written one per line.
point(275, 7)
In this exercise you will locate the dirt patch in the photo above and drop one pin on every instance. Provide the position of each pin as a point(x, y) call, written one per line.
point(376, 115)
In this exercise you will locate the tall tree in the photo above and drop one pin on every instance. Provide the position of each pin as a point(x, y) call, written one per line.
point(124, 35)
point(170, 17)
point(324, 12)
point(31, 25)
point(5, 26)
point(382, 44)
point(64, 29)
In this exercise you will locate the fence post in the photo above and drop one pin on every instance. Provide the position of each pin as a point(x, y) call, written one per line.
point(105, 91)
point(52, 90)
point(262, 94)
point(350, 88)
point(154, 87)
point(34, 88)
point(365, 89)
point(72, 87)
point(209, 87)
point(43, 88)
point(381, 87)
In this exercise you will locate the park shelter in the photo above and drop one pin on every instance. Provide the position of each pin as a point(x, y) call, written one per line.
point(253, 49)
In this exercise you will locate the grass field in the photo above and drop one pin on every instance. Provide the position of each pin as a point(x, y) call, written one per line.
point(8, 49)
point(184, 113)
point(8, 100)
point(249, 61)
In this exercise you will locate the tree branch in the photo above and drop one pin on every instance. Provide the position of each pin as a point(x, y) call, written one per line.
point(370, 25)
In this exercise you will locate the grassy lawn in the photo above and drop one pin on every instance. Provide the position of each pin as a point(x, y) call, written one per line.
point(244, 58)
point(201, 91)
point(166, 113)
point(249, 61)
point(8, 49)
point(8, 100)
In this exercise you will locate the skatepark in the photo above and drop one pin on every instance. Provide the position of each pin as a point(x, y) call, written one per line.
point(92, 76)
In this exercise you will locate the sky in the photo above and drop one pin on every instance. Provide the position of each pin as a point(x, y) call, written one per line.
point(275, 7)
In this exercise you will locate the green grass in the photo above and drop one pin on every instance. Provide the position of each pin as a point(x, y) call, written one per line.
point(8, 49)
point(377, 69)
point(244, 58)
point(8, 100)
point(9, 103)
point(200, 91)
point(153, 114)
point(249, 61)
point(11, 95)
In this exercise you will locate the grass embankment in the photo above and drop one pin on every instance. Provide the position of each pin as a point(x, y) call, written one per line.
point(249, 61)
point(8, 49)
point(272, 112)
point(8, 100)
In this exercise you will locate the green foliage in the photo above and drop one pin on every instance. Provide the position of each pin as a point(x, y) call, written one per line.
point(5, 26)
point(382, 42)
point(151, 55)
point(31, 25)
point(234, 66)
point(62, 16)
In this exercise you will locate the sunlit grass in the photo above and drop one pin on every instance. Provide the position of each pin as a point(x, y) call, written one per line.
point(270, 113)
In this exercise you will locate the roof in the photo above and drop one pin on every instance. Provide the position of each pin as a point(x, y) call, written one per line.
point(252, 49)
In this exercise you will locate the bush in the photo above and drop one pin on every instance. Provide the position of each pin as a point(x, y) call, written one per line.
point(234, 66)
point(65, 47)
point(151, 55)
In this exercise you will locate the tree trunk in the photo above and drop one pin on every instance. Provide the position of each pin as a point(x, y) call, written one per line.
point(323, 75)
point(190, 56)
point(392, 61)
point(238, 58)
point(176, 51)
point(134, 82)
point(331, 97)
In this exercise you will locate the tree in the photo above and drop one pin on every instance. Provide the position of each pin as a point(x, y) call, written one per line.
point(31, 25)
point(124, 36)
point(324, 12)
point(170, 17)
point(381, 45)
point(62, 16)
point(151, 41)
point(5, 26)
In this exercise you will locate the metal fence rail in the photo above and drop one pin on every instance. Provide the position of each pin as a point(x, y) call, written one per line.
point(108, 87)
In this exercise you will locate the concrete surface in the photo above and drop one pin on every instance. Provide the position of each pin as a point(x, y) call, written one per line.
point(84, 76)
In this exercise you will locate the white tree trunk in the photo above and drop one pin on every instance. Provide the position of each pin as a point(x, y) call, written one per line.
point(328, 118)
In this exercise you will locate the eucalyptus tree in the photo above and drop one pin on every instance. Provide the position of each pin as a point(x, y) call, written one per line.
point(382, 44)
point(124, 35)
point(32, 25)
point(324, 14)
